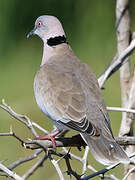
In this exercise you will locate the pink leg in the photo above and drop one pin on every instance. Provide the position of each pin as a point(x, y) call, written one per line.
point(50, 136)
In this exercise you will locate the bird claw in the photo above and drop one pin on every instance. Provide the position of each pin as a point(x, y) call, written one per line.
point(50, 136)
point(47, 137)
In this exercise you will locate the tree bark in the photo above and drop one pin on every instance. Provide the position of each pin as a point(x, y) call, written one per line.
point(123, 40)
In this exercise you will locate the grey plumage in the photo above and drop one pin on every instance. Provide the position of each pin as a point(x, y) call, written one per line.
point(67, 91)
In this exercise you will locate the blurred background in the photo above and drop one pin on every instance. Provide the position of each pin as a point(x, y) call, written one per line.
point(90, 30)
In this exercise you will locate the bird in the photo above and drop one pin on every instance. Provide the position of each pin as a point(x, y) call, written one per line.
point(67, 91)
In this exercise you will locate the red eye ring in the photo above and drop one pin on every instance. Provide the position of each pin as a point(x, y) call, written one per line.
point(39, 23)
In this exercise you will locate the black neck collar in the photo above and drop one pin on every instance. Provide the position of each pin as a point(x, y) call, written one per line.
point(56, 40)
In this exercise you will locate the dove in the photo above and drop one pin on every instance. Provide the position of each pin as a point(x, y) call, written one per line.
point(67, 91)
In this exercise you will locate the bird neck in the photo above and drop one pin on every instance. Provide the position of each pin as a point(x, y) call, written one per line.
point(48, 52)
point(50, 46)
point(54, 41)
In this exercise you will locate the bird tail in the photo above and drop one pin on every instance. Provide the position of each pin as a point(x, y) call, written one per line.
point(105, 151)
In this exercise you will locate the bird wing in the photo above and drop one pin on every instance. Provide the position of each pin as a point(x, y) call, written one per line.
point(74, 97)
point(97, 109)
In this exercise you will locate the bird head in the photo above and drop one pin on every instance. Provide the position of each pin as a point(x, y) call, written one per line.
point(47, 27)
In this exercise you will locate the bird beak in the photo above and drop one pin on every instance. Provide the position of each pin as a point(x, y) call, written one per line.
point(31, 33)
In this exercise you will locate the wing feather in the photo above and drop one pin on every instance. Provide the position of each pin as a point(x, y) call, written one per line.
point(74, 97)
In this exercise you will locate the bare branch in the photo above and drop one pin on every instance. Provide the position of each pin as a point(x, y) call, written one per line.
point(122, 58)
point(67, 158)
point(126, 140)
point(39, 127)
point(123, 40)
point(72, 155)
point(10, 173)
point(103, 171)
point(110, 176)
point(129, 172)
point(70, 171)
point(22, 118)
point(13, 135)
point(84, 160)
point(24, 159)
point(75, 141)
point(35, 167)
point(5, 134)
point(55, 164)
point(121, 109)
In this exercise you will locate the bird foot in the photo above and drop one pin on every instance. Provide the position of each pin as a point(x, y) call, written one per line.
point(50, 136)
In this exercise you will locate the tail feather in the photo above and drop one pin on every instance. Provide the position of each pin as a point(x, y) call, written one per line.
point(105, 151)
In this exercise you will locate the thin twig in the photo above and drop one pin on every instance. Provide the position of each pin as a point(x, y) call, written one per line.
point(22, 118)
point(35, 167)
point(39, 127)
point(24, 159)
point(109, 176)
point(103, 171)
point(13, 135)
point(69, 168)
point(74, 141)
point(121, 109)
point(10, 173)
point(118, 63)
point(5, 134)
point(84, 160)
point(129, 172)
point(72, 155)
point(56, 165)
point(67, 158)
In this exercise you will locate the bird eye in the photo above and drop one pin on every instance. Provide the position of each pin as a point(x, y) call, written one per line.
point(39, 24)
